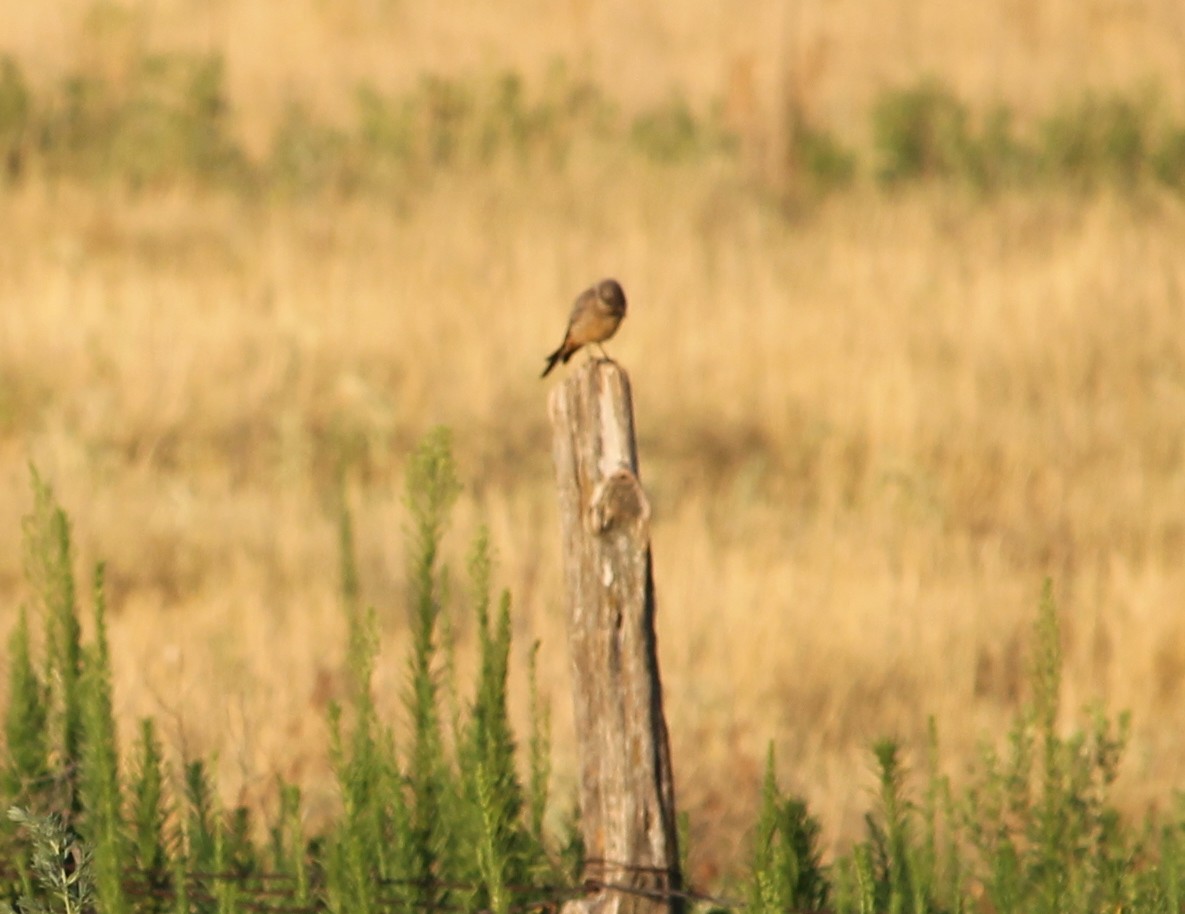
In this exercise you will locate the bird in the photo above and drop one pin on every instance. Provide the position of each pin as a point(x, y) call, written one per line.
point(596, 314)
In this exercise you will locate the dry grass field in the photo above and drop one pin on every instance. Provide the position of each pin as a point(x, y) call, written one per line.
point(869, 431)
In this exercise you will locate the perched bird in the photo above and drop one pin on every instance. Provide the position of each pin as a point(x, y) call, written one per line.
point(595, 317)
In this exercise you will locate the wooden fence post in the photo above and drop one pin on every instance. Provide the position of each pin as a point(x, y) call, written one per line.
point(627, 796)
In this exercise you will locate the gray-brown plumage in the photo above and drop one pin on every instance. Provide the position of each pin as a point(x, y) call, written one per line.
point(595, 316)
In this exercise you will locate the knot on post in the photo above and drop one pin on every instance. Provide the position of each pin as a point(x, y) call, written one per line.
point(618, 502)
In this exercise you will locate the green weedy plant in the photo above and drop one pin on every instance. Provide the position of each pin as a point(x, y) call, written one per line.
point(199, 814)
point(72, 764)
point(1167, 886)
point(1046, 834)
point(787, 873)
point(370, 846)
point(101, 797)
point(240, 856)
point(891, 870)
point(225, 888)
point(26, 772)
point(905, 865)
point(445, 828)
point(442, 828)
point(61, 866)
point(219, 855)
point(450, 828)
point(48, 569)
point(939, 856)
point(370, 843)
point(1034, 834)
point(181, 885)
point(289, 848)
point(432, 488)
point(372, 838)
point(538, 751)
point(506, 849)
point(149, 816)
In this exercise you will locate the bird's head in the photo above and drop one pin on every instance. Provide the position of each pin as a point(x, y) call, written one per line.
point(610, 292)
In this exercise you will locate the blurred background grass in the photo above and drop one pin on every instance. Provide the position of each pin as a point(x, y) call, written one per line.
point(906, 297)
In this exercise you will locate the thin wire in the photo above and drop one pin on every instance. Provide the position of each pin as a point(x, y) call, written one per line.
point(268, 887)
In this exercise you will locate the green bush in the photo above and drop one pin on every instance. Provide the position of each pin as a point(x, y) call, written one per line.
point(820, 156)
point(14, 118)
point(669, 133)
point(447, 123)
point(1097, 139)
point(998, 157)
point(1168, 160)
point(168, 122)
point(168, 119)
point(920, 132)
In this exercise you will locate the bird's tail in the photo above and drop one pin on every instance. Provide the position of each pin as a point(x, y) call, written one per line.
point(552, 361)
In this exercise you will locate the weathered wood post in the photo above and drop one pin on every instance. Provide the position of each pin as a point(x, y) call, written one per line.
point(627, 796)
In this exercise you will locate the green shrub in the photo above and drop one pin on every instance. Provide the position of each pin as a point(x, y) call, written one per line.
point(166, 118)
point(173, 124)
point(1096, 139)
point(672, 132)
point(168, 122)
point(14, 118)
point(447, 123)
point(669, 133)
point(819, 155)
point(1168, 158)
point(920, 132)
point(998, 157)
point(386, 133)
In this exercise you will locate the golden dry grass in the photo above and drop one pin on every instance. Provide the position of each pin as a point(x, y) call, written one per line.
point(868, 433)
